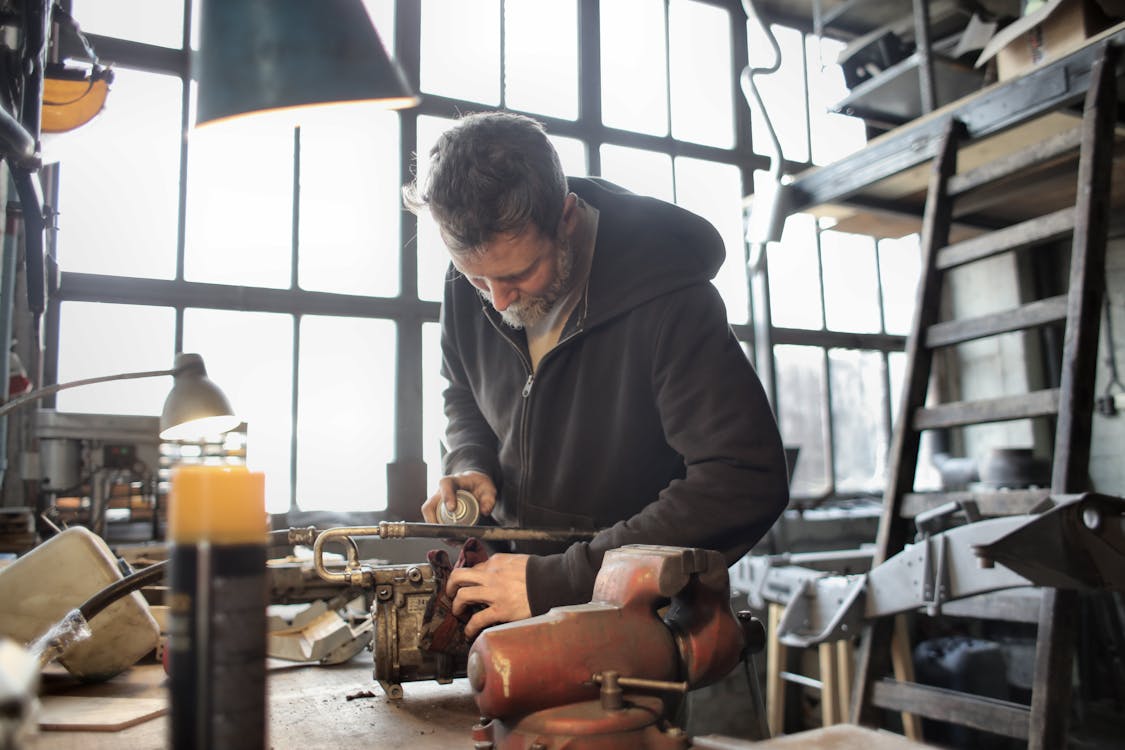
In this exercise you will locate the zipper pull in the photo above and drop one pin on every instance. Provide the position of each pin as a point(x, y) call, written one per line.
point(528, 384)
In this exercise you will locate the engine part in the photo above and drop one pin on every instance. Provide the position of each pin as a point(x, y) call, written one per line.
point(401, 595)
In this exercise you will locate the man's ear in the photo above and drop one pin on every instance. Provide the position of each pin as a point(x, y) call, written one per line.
point(570, 211)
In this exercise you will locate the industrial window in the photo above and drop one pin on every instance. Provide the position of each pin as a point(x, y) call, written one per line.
point(284, 256)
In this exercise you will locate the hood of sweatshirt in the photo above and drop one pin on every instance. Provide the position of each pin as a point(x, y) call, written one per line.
point(672, 249)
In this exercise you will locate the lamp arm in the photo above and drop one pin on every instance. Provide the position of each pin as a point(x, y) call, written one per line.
point(48, 390)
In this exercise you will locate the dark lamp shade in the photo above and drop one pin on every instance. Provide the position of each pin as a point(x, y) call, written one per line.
point(195, 408)
point(262, 55)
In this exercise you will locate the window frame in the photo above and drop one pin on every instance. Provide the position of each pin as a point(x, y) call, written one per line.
point(406, 474)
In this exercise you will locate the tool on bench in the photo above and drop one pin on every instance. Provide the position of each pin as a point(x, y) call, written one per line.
point(610, 673)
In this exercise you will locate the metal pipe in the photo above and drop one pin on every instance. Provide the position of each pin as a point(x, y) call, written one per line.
point(405, 530)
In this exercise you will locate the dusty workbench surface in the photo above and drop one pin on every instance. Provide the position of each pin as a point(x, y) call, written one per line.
point(310, 707)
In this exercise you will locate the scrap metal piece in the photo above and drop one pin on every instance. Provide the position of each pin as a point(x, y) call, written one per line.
point(310, 641)
point(1080, 543)
point(826, 608)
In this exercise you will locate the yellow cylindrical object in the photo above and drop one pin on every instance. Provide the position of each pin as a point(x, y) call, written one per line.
point(217, 504)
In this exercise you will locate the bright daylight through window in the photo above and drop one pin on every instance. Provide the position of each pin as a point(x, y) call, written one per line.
point(283, 255)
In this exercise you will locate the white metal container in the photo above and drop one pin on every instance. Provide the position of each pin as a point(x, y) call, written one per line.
point(40, 588)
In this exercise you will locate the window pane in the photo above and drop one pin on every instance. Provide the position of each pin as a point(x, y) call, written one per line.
point(834, 136)
point(101, 339)
point(701, 71)
point(782, 93)
point(460, 49)
point(714, 191)
point(801, 398)
point(257, 379)
point(572, 154)
point(900, 263)
point(151, 21)
point(634, 66)
point(345, 413)
point(433, 407)
point(240, 204)
point(643, 172)
point(858, 423)
point(851, 293)
point(794, 277)
point(119, 182)
point(350, 204)
point(541, 57)
point(433, 258)
point(382, 13)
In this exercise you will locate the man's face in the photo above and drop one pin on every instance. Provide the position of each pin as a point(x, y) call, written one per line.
point(521, 274)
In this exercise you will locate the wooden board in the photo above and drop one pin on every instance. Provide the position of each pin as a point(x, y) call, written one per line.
point(97, 714)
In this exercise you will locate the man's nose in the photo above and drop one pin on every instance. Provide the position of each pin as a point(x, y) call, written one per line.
point(502, 295)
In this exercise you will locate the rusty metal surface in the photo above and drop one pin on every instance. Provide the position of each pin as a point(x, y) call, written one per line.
point(551, 660)
point(401, 595)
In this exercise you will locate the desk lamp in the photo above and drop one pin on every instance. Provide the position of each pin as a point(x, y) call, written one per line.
point(194, 408)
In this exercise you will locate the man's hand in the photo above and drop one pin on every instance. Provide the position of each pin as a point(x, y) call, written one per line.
point(500, 583)
point(475, 482)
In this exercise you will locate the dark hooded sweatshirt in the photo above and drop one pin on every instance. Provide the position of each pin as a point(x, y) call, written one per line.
point(646, 419)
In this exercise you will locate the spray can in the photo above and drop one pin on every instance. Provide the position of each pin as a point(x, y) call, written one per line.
point(467, 512)
point(217, 648)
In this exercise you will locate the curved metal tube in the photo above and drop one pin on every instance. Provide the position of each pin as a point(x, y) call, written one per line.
point(750, 87)
point(344, 534)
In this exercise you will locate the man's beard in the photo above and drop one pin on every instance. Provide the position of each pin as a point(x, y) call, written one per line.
point(530, 310)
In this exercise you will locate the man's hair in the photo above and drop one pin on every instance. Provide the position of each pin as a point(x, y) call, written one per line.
point(491, 173)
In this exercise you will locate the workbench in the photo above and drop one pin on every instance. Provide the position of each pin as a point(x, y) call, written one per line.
point(310, 706)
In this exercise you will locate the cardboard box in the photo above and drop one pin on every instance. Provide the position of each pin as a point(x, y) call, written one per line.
point(1055, 28)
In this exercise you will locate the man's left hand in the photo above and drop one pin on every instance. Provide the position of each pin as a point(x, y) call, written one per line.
point(499, 583)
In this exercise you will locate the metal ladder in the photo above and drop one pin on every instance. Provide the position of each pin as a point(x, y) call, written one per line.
point(1071, 405)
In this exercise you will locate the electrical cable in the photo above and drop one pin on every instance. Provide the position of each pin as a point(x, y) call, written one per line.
point(130, 583)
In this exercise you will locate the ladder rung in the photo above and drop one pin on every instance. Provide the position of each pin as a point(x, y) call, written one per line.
point(967, 710)
point(801, 679)
point(998, 503)
point(1056, 145)
point(1031, 232)
point(1038, 313)
point(961, 413)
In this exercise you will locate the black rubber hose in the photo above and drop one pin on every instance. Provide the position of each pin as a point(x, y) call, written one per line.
point(137, 580)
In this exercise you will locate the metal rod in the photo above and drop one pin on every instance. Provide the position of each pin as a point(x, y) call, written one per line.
point(404, 530)
point(643, 684)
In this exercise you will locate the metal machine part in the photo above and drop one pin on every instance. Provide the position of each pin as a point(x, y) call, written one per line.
point(401, 592)
point(467, 512)
point(1079, 543)
point(564, 679)
point(401, 595)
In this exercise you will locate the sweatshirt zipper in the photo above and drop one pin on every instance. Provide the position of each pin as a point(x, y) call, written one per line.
point(525, 440)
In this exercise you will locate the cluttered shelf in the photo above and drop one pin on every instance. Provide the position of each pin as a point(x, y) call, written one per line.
point(880, 189)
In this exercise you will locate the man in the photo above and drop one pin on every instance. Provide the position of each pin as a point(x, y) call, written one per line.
point(594, 382)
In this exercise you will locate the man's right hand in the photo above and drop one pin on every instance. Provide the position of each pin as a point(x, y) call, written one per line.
point(473, 481)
